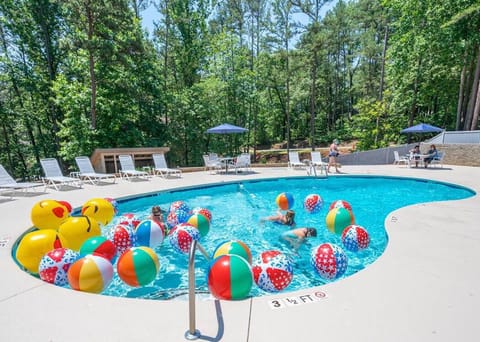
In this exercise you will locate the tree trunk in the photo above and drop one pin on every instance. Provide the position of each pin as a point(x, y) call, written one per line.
point(476, 109)
point(473, 93)
point(91, 60)
point(461, 91)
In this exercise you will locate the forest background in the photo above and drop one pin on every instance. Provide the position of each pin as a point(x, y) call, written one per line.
point(83, 74)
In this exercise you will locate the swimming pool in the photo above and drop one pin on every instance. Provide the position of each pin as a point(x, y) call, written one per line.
point(238, 207)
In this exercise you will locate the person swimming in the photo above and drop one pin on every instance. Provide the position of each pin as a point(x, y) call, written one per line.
point(296, 237)
point(287, 219)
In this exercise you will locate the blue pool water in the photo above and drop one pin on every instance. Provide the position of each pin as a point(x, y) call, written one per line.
point(238, 207)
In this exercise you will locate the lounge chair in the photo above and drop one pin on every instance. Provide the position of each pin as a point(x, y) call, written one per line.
point(86, 171)
point(128, 168)
point(161, 168)
point(317, 161)
point(294, 161)
point(8, 183)
point(212, 164)
point(398, 160)
point(242, 162)
point(54, 175)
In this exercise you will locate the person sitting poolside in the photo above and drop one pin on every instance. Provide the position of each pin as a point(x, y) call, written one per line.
point(295, 237)
point(414, 154)
point(432, 154)
point(287, 219)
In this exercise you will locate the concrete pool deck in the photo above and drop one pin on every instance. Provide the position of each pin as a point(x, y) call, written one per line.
point(425, 287)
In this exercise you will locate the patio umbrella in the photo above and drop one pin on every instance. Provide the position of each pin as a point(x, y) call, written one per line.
point(421, 128)
point(226, 129)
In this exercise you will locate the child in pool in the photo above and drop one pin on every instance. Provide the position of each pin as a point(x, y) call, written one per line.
point(296, 237)
point(287, 219)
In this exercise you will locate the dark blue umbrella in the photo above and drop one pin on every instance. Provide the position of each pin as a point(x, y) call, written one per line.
point(421, 128)
point(226, 129)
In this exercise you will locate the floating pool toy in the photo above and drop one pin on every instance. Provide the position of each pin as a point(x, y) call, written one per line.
point(340, 204)
point(338, 219)
point(48, 214)
point(313, 203)
point(201, 223)
point(355, 238)
point(285, 201)
point(229, 277)
point(329, 260)
point(203, 211)
point(77, 229)
point(34, 245)
point(92, 273)
point(235, 247)
point(66, 205)
point(176, 217)
point(123, 237)
point(99, 245)
point(179, 205)
point(54, 265)
point(149, 233)
point(182, 236)
point(138, 266)
point(272, 271)
point(129, 219)
point(99, 209)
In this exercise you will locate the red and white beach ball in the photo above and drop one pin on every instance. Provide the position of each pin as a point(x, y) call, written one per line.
point(340, 204)
point(129, 219)
point(329, 260)
point(355, 238)
point(123, 237)
point(182, 236)
point(272, 271)
point(313, 203)
point(54, 265)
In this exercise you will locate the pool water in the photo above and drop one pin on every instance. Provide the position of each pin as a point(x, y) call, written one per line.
point(237, 209)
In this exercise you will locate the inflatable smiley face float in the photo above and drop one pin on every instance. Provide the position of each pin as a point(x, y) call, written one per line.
point(49, 214)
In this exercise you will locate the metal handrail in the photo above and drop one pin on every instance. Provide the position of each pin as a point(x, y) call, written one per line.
point(192, 333)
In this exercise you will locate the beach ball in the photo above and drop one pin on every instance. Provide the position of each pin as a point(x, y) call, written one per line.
point(123, 237)
point(355, 238)
point(48, 214)
point(340, 204)
point(138, 266)
point(229, 277)
point(203, 211)
point(114, 203)
point(272, 271)
point(92, 273)
point(34, 245)
point(149, 233)
point(329, 260)
point(235, 247)
point(182, 236)
point(285, 201)
point(201, 223)
point(313, 203)
point(338, 219)
point(54, 265)
point(77, 229)
point(176, 217)
point(99, 209)
point(129, 219)
point(99, 245)
point(179, 205)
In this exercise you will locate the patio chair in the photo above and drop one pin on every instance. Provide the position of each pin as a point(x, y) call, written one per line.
point(212, 164)
point(438, 160)
point(8, 183)
point(54, 175)
point(162, 168)
point(128, 168)
point(398, 160)
point(317, 161)
point(86, 171)
point(294, 161)
point(242, 162)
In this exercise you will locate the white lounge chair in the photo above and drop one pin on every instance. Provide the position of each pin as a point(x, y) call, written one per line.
point(8, 183)
point(214, 165)
point(317, 161)
point(162, 168)
point(86, 171)
point(128, 168)
point(294, 161)
point(398, 160)
point(54, 175)
point(242, 162)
